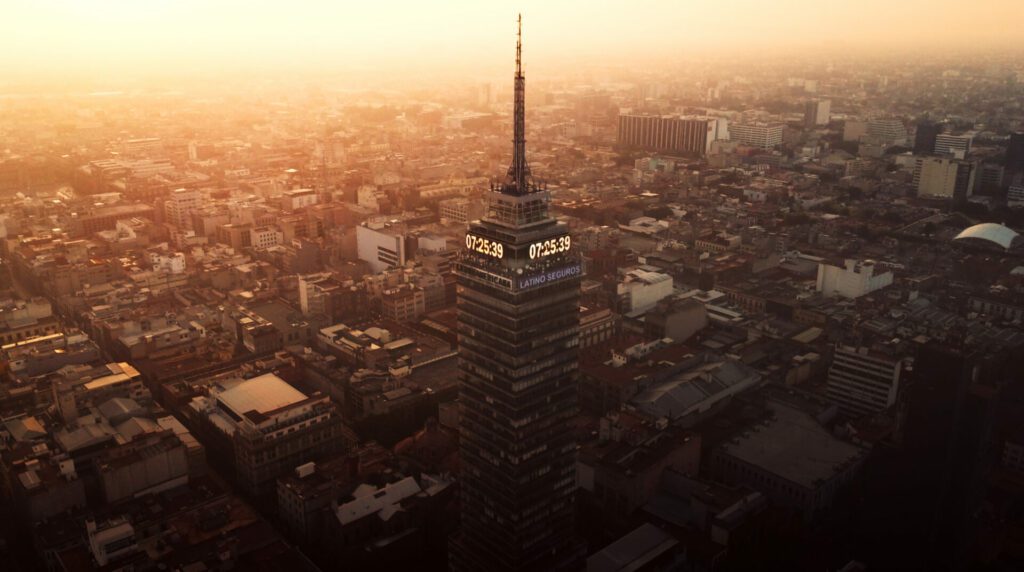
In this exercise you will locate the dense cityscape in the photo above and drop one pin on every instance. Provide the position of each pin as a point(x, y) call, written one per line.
point(723, 314)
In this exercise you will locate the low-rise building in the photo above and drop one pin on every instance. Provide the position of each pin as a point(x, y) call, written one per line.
point(853, 280)
point(790, 458)
point(271, 426)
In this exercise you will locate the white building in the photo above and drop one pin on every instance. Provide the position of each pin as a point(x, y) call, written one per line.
point(380, 245)
point(1015, 195)
point(675, 134)
point(943, 177)
point(863, 382)
point(265, 237)
point(298, 199)
point(854, 280)
point(762, 135)
point(169, 262)
point(641, 289)
point(178, 208)
point(956, 145)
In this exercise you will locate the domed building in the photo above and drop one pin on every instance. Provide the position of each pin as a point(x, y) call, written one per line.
point(991, 233)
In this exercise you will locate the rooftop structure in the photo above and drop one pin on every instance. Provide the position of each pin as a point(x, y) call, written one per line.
point(997, 234)
point(262, 394)
point(791, 458)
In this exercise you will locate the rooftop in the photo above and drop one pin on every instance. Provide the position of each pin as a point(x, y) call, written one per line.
point(262, 394)
point(991, 232)
point(794, 446)
point(632, 551)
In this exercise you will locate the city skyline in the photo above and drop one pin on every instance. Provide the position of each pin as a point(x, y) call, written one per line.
point(285, 292)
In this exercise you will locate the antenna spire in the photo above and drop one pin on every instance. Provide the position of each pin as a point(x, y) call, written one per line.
point(518, 176)
point(519, 47)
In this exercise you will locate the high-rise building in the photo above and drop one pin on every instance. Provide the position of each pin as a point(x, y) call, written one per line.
point(671, 134)
point(863, 381)
point(763, 135)
point(956, 145)
point(1014, 163)
point(887, 130)
point(817, 112)
point(924, 137)
point(944, 177)
point(518, 328)
point(178, 208)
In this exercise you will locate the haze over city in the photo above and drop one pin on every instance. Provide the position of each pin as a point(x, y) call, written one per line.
point(114, 41)
point(652, 286)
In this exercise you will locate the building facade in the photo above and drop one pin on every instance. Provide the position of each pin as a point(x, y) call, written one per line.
point(684, 135)
point(944, 177)
point(853, 280)
point(761, 135)
point(271, 428)
point(381, 246)
point(518, 304)
point(863, 382)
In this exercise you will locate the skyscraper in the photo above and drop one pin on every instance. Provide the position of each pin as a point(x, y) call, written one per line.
point(518, 305)
point(817, 112)
point(925, 135)
point(1014, 164)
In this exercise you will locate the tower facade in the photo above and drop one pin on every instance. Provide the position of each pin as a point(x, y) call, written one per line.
point(518, 326)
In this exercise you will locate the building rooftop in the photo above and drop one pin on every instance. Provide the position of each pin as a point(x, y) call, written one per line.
point(680, 394)
point(991, 232)
point(119, 372)
point(632, 551)
point(794, 446)
point(262, 394)
point(384, 501)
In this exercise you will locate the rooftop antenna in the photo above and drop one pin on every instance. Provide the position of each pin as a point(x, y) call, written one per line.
point(519, 172)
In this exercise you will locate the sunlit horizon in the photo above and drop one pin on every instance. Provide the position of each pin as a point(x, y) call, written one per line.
point(113, 41)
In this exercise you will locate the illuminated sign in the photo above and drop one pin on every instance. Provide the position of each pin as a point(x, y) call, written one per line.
point(551, 246)
point(485, 246)
point(554, 275)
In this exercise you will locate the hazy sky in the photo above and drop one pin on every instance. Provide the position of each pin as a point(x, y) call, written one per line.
point(110, 37)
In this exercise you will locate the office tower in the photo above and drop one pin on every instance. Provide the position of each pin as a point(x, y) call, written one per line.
point(863, 381)
point(669, 134)
point(518, 305)
point(924, 137)
point(957, 146)
point(1013, 173)
point(817, 112)
point(762, 135)
point(988, 179)
point(887, 130)
point(944, 177)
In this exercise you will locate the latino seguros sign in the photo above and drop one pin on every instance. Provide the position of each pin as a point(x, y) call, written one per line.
point(554, 275)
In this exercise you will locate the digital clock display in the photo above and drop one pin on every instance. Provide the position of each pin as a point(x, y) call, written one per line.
point(551, 246)
point(485, 246)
